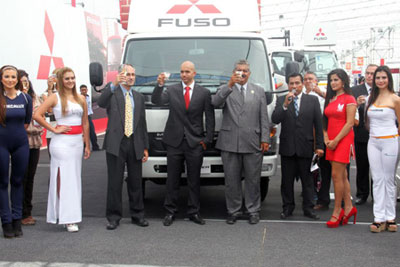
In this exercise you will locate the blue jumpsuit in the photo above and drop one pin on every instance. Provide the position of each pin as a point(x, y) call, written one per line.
point(14, 143)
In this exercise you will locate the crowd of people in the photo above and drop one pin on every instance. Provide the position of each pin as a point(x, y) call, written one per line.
point(335, 125)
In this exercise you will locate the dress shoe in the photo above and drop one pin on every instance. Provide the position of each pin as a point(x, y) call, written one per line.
point(8, 231)
point(231, 219)
point(321, 207)
point(196, 218)
point(311, 215)
point(168, 219)
point(140, 221)
point(112, 225)
point(338, 220)
point(28, 221)
point(360, 201)
point(72, 228)
point(353, 212)
point(16, 225)
point(254, 218)
point(285, 215)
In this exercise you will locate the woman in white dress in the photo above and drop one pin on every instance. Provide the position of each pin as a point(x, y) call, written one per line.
point(64, 202)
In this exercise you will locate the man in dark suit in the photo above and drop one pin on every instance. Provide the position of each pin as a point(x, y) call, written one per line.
point(243, 138)
point(361, 137)
point(126, 143)
point(184, 137)
point(301, 123)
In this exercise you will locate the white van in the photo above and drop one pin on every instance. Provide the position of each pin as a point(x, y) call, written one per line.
point(213, 35)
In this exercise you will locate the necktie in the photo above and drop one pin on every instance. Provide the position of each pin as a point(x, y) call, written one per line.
point(187, 96)
point(296, 105)
point(242, 93)
point(128, 116)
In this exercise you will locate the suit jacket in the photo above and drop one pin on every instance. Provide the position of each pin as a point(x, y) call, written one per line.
point(114, 102)
point(245, 126)
point(360, 132)
point(184, 122)
point(297, 133)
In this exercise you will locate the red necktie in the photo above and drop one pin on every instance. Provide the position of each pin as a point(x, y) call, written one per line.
point(187, 96)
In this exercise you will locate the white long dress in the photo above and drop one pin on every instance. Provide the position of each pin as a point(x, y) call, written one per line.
point(66, 156)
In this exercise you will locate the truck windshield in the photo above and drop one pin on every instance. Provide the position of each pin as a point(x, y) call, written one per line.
point(319, 62)
point(214, 59)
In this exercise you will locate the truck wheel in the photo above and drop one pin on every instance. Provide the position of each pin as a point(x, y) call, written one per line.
point(264, 183)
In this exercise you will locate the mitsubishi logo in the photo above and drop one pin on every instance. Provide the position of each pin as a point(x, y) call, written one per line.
point(320, 32)
point(182, 9)
point(45, 61)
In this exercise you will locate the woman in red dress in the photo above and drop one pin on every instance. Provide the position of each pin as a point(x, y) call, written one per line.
point(339, 114)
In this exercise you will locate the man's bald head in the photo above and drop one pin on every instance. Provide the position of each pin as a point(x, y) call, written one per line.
point(188, 72)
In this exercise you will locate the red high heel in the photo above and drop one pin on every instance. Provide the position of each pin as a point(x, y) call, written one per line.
point(336, 223)
point(353, 212)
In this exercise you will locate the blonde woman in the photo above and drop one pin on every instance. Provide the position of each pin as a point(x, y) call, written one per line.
point(70, 111)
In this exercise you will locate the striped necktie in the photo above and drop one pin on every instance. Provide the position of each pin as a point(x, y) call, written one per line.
point(296, 105)
point(128, 116)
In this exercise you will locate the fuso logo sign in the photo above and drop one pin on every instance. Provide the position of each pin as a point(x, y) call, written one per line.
point(320, 36)
point(205, 9)
point(45, 61)
point(194, 22)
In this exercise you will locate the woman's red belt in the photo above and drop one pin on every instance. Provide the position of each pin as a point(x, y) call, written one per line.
point(74, 130)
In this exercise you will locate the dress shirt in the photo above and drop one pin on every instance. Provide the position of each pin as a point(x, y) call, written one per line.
point(89, 105)
point(191, 89)
point(238, 86)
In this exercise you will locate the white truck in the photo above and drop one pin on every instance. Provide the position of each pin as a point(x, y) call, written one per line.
point(316, 59)
point(213, 34)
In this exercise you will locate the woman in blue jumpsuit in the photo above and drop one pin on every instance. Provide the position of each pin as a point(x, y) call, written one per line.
point(15, 115)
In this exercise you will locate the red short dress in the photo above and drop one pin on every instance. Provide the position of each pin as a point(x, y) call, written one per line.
point(336, 114)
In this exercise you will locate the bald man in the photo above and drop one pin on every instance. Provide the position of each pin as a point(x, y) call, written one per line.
point(184, 137)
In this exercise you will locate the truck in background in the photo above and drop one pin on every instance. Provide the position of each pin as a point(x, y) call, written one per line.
point(213, 36)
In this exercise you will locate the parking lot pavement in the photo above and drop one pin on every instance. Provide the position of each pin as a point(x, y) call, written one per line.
point(273, 242)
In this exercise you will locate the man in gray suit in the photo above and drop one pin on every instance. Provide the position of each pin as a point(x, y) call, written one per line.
point(243, 138)
point(126, 143)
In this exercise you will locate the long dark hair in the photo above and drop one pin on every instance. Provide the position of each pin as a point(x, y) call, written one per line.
point(31, 92)
point(3, 101)
point(342, 75)
point(375, 90)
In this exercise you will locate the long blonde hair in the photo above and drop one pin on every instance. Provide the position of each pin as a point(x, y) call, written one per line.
point(61, 90)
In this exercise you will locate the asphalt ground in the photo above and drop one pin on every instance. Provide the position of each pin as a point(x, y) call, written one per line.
point(298, 241)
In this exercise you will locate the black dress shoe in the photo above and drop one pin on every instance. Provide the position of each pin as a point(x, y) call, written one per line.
point(16, 225)
point(312, 215)
point(140, 222)
point(8, 230)
point(112, 225)
point(254, 218)
point(231, 219)
point(168, 219)
point(361, 201)
point(196, 218)
point(285, 215)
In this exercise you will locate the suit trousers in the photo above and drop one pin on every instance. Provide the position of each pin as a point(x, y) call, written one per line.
point(292, 166)
point(176, 156)
point(92, 133)
point(250, 165)
point(326, 173)
point(34, 154)
point(116, 169)
point(362, 176)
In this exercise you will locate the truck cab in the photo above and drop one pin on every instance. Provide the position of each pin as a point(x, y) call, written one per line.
point(318, 60)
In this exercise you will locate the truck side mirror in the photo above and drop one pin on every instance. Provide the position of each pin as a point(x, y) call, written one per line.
point(291, 67)
point(299, 56)
point(96, 74)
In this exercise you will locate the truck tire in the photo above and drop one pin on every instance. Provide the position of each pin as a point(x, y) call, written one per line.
point(264, 183)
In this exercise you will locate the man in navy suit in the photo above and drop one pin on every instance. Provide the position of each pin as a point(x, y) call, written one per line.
point(184, 137)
